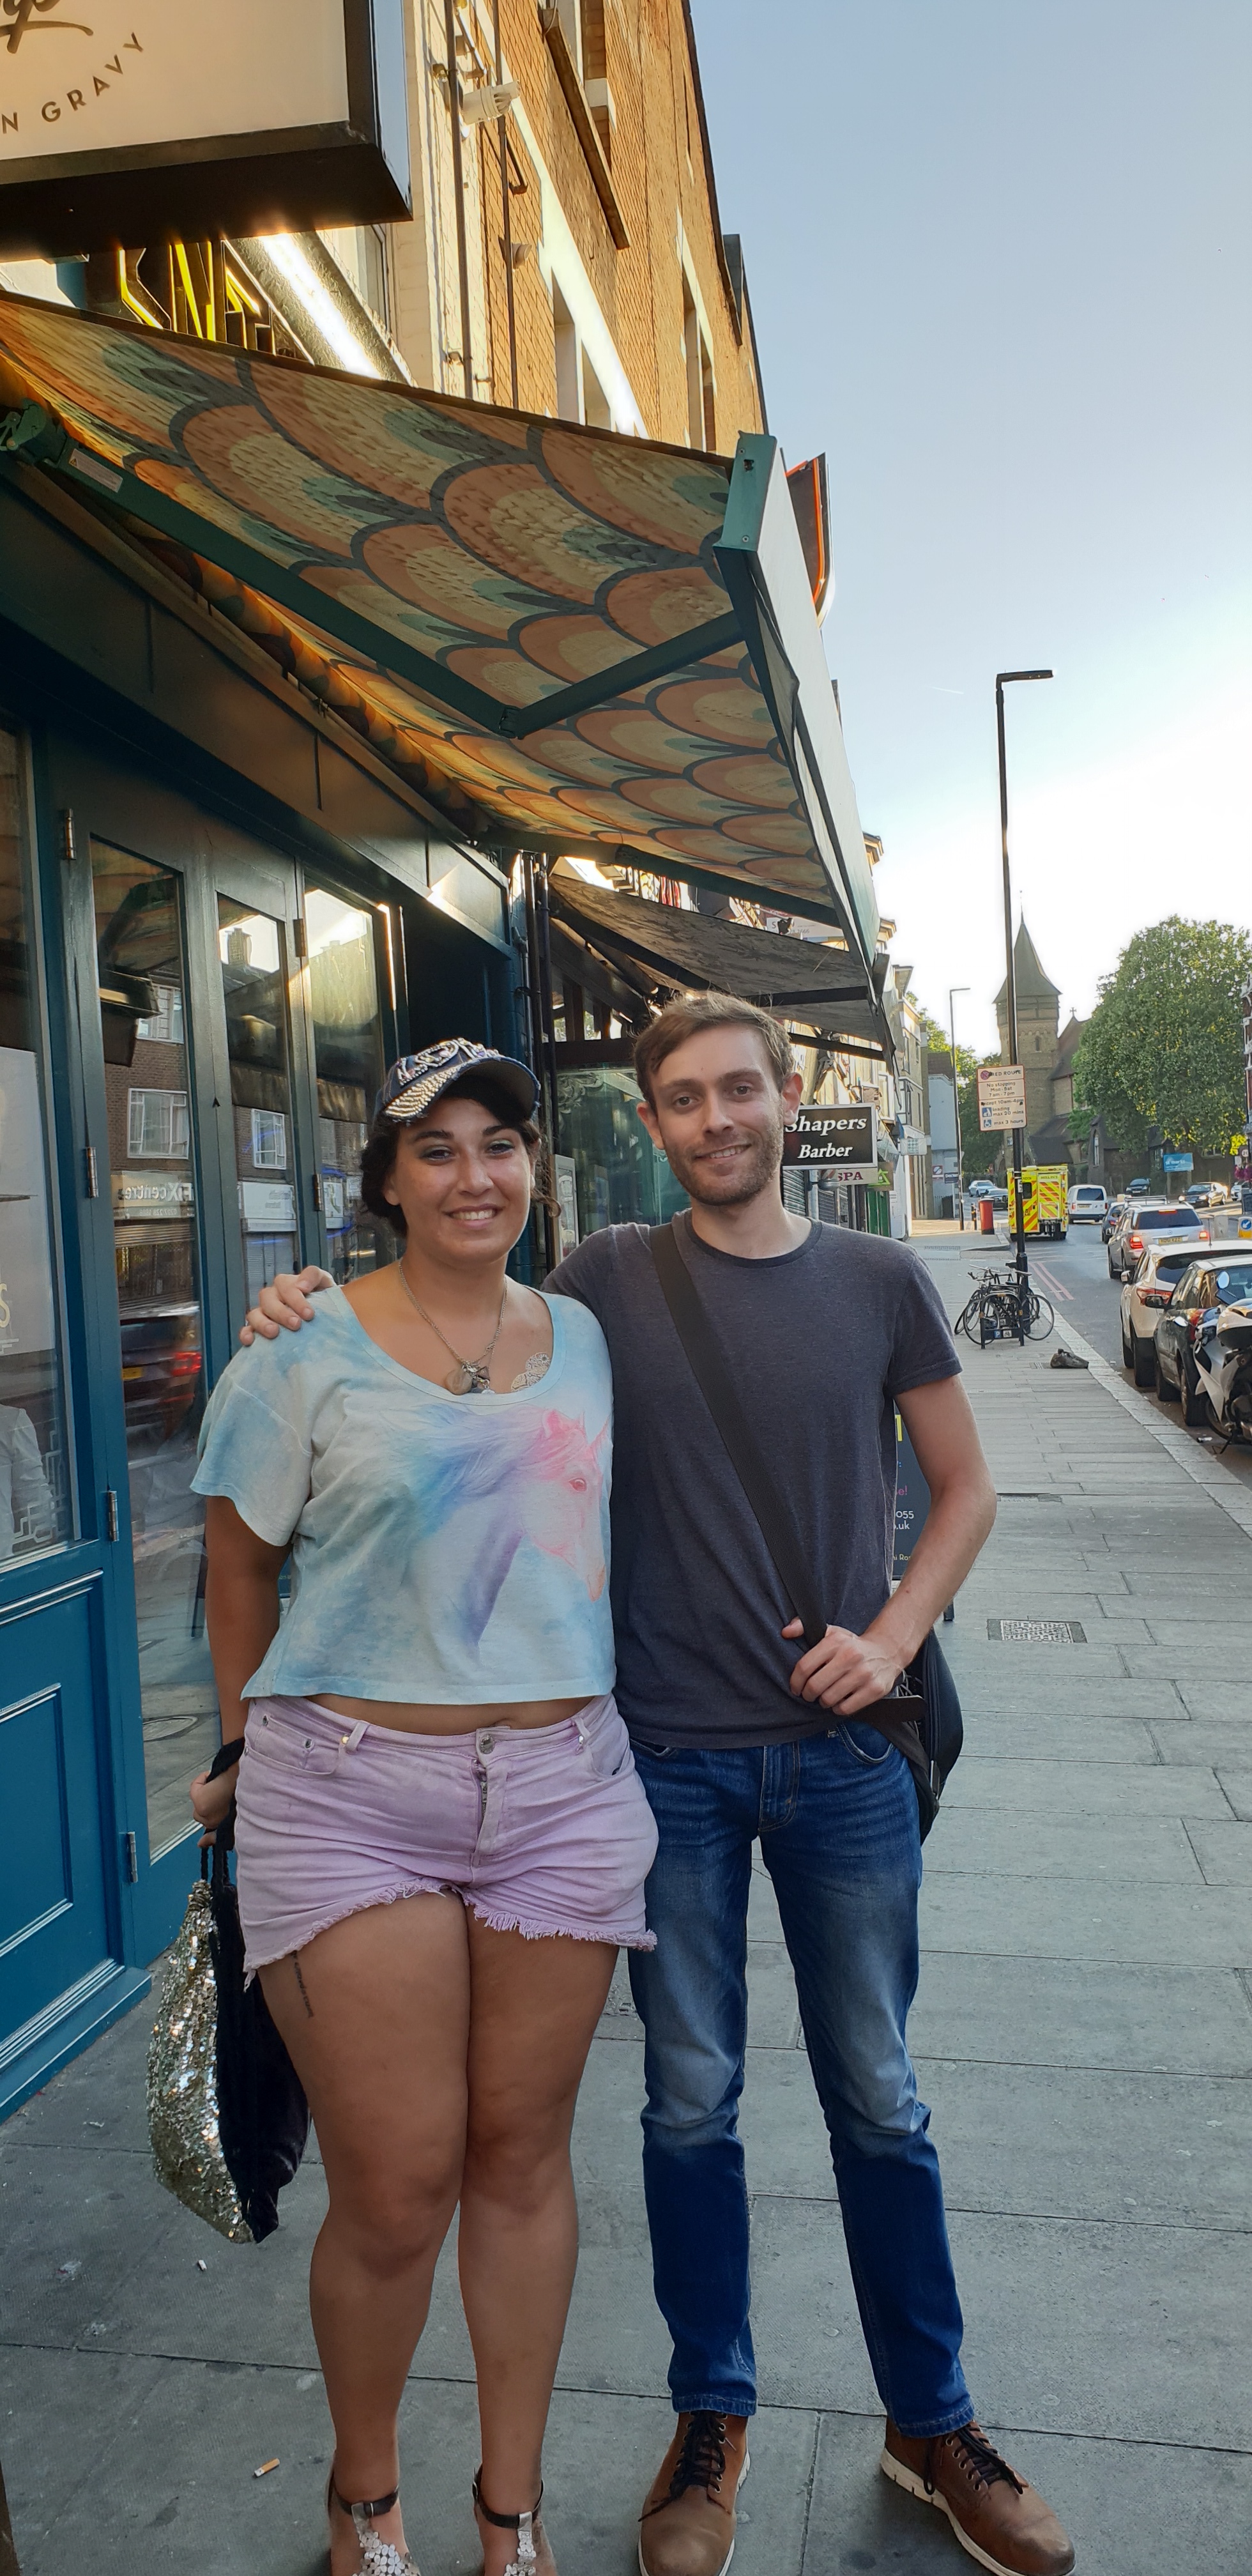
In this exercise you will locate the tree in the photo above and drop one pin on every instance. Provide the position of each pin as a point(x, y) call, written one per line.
point(978, 1152)
point(1162, 1053)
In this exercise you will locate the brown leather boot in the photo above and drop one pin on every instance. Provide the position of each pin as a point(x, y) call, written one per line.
point(687, 2527)
point(1002, 2522)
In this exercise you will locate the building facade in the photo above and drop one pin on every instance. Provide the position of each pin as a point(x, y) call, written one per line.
point(295, 529)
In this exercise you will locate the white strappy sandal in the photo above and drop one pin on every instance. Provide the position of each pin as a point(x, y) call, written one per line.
point(523, 2524)
point(379, 2557)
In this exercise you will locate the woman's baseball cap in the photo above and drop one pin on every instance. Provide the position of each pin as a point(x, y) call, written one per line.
point(415, 1082)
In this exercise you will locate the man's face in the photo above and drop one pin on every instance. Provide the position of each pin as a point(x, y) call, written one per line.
point(719, 1115)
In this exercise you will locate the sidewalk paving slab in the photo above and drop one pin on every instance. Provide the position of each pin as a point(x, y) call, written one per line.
point(1084, 2035)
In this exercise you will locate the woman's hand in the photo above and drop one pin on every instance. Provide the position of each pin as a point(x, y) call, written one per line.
point(210, 1799)
point(284, 1301)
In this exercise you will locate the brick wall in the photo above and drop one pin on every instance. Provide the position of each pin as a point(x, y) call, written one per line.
point(638, 116)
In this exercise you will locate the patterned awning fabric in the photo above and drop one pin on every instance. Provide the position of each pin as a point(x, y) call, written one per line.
point(452, 569)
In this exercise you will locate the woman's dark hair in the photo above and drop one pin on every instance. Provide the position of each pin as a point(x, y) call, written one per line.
point(378, 1153)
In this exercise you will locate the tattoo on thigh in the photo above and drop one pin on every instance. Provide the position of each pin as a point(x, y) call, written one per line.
point(304, 1992)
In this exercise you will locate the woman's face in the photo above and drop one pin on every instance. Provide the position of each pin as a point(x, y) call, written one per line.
point(462, 1183)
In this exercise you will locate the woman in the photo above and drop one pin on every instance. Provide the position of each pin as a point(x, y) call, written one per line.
point(441, 1839)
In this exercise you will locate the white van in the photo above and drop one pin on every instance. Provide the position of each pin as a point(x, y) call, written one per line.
point(1087, 1199)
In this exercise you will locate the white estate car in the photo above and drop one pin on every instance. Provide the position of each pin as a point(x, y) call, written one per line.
point(1145, 1294)
point(1088, 1199)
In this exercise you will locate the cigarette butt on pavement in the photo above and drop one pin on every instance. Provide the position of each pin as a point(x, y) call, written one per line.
point(265, 2467)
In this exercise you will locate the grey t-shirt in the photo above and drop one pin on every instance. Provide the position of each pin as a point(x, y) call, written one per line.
point(821, 1340)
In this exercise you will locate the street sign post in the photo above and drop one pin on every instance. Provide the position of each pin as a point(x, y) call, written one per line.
point(1001, 1097)
point(839, 1138)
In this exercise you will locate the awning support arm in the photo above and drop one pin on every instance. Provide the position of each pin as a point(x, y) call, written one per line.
point(717, 636)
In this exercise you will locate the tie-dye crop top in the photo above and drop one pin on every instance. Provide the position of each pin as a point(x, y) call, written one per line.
point(444, 1547)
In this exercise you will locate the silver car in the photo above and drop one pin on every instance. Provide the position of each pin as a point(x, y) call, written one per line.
point(1152, 1221)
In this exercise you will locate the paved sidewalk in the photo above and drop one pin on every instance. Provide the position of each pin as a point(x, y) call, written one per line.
point(1084, 2032)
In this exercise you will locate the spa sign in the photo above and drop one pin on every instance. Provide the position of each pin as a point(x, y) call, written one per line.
point(128, 122)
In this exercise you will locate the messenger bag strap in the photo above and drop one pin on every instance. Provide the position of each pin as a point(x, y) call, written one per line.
point(769, 1505)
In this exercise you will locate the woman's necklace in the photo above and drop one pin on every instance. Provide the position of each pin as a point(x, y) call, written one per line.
point(470, 1377)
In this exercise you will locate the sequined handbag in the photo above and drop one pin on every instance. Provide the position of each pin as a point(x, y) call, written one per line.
point(183, 2123)
point(227, 2115)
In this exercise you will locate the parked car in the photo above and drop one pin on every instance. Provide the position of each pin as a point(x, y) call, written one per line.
point(993, 1190)
point(1146, 1291)
point(1116, 1208)
point(1088, 1203)
point(1143, 1218)
point(1203, 1285)
point(1138, 1189)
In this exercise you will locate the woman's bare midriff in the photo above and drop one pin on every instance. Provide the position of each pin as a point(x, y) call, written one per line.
point(439, 1717)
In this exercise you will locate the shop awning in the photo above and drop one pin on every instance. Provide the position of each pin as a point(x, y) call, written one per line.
point(693, 951)
point(578, 641)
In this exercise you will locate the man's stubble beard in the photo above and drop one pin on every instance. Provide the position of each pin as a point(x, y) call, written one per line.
point(757, 1173)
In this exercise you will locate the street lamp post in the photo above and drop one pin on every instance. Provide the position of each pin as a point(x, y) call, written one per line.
point(1003, 679)
point(953, 990)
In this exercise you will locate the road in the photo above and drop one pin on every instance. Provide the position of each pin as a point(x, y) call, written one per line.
point(1075, 1276)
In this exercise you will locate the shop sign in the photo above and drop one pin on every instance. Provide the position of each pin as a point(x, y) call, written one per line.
point(1001, 1098)
point(839, 1138)
point(150, 1194)
point(267, 1207)
point(127, 121)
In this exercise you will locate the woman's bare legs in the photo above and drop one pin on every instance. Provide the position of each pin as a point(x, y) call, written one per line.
point(533, 2010)
point(376, 2023)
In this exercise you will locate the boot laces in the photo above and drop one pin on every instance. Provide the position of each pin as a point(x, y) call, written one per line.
point(702, 2459)
point(980, 2461)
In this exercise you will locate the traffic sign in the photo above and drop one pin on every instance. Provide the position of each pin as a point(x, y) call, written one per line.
point(1001, 1097)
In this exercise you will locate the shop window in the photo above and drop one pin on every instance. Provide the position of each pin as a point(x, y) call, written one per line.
point(152, 1181)
point(254, 991)
point(157, 1126)
point(34, 1476)
point(348, 1062)
point(620, 1178)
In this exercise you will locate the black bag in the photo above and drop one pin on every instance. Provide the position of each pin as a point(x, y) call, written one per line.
point(263, 2116)
point(925, 1726)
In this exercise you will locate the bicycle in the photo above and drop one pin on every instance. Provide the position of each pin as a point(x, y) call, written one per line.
point(1005, 1308)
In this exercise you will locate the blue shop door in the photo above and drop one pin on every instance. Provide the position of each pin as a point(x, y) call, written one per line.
point(61, 1859)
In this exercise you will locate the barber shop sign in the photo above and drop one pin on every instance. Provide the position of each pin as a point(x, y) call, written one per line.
point(125, 122)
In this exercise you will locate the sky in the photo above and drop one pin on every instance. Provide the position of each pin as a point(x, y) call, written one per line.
point(999, 265)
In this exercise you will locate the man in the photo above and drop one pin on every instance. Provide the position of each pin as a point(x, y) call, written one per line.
point(737, 1738)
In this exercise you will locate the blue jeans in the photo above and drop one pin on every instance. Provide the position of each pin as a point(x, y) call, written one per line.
point(837, 1821)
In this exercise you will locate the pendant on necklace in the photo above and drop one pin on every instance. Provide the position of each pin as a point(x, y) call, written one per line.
point(469, 1377)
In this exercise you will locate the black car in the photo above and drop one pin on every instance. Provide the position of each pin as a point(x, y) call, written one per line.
point(1211, 1282)
point(1115, 1208)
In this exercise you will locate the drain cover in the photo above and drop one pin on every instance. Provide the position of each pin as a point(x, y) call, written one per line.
point(1036, 1632)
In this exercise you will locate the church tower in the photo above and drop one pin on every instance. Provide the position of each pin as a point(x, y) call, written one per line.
point(1038, 1024)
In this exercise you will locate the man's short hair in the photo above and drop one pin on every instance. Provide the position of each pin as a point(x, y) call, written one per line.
point(685, 1019)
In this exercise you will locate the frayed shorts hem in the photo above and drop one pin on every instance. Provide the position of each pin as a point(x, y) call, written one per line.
point(529, 1928)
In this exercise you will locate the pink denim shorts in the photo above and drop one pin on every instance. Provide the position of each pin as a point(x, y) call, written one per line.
point(539, 1829)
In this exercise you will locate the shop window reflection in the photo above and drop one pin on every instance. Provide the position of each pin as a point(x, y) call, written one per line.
point(250, 945)
point(142, 979)
point(620, 1177)
point(348, 1061)
point(34, 1481)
